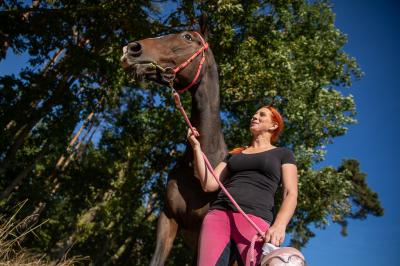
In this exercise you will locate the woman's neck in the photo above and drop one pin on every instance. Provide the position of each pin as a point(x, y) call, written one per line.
point(262, 142)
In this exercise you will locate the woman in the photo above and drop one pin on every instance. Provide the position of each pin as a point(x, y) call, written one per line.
point(252, 175)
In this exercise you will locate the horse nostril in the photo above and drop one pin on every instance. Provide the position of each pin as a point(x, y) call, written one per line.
point(134, 49)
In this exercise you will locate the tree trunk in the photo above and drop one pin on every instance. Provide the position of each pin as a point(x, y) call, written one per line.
point(61, 165)
point(25, 129)
point(21, 176)
point(84, 148)
point(66, 244)
point(127, 243)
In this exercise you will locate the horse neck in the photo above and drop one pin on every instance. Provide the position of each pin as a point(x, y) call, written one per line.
point(205, 114)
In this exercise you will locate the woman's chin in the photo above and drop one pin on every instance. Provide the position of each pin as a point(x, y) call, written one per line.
point(254, 129)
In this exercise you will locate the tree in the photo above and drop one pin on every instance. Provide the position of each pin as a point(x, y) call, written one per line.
point(103, 204)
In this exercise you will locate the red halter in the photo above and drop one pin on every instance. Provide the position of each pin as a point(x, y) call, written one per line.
point(187, 62)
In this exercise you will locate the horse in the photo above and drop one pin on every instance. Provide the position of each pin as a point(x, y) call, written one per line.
point(185, 62)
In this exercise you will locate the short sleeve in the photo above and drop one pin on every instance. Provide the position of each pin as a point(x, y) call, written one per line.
point(288, 157)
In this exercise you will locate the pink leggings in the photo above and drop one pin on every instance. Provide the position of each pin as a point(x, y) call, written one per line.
point(219, 228)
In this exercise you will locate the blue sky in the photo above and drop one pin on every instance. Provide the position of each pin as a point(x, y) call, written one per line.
point(373, 29)
point(374, 40)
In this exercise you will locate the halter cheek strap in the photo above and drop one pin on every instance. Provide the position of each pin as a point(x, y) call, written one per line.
point(169, 73)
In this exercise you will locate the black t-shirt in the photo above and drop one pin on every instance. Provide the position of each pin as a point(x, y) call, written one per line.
point(253, 181)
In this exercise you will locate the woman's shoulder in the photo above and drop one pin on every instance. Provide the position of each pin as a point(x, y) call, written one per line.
point(287, 155)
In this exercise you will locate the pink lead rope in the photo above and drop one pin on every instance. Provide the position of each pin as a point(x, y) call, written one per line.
point(210, 168)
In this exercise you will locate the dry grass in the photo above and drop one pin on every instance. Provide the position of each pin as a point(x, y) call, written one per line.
point(12, 233)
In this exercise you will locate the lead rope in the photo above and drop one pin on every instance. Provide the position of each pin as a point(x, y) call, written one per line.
point(260, 233)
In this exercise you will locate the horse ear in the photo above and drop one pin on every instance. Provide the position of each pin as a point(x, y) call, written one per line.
point(203, 25)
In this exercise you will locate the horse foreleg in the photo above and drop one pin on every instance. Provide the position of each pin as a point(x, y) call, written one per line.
point(166, 232)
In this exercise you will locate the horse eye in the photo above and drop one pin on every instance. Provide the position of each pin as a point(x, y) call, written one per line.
point(188, 37)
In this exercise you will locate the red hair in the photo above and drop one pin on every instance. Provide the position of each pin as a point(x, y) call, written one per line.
point(277, 118)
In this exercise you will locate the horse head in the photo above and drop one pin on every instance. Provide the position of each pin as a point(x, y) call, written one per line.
point(174, 58)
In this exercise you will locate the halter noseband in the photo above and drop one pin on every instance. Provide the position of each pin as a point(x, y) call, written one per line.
point(169, 73)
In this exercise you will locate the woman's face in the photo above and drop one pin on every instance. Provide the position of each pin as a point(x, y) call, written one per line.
point(262, 121)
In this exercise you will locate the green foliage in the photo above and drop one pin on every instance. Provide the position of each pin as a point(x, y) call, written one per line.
point(101, 195)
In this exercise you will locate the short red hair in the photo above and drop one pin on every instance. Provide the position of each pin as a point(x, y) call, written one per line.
point(277, 118)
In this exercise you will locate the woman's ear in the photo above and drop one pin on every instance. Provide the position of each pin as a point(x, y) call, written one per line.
point(274, 127)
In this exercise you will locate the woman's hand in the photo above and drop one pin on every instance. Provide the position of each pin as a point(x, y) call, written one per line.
point(193, 138)
point(275, 235)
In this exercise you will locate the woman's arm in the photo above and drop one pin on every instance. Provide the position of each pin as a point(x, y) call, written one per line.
point(207, 181)
point(276, 234)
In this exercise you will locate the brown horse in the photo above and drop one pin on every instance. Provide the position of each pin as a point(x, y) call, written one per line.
point(162, 60)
